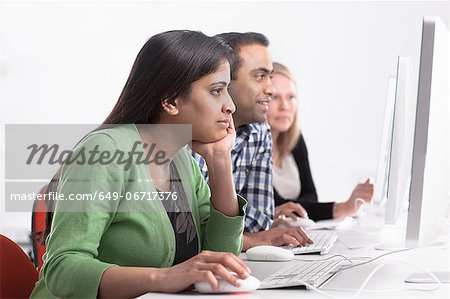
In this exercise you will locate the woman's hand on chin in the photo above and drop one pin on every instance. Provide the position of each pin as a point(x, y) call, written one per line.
point(219, 149)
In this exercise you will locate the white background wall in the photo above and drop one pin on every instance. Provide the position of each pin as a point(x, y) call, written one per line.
point(67, 63)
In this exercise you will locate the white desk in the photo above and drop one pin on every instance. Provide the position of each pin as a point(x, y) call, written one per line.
point(389, 277)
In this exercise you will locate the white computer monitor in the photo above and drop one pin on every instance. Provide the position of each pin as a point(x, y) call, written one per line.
point(428, 201)
point(384, 156)
point(399, 174)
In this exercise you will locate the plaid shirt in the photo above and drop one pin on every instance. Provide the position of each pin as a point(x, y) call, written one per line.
point(252, 171)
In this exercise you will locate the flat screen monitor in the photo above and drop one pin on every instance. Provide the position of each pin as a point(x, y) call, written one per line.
point(384, 157)
point(428, 202)
point(399, 175)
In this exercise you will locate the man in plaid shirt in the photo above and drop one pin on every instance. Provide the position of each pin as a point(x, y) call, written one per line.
point(251, 89)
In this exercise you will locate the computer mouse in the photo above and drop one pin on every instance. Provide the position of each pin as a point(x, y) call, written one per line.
point(249, 284)
point(269, 253)
point(303, 222)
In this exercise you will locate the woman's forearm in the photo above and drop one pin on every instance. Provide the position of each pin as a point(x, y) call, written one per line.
point(129, 282)
point(223, 194)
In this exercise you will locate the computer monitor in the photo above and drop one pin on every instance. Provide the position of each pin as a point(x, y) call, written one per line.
point(428, 201)
point(399, 174)
point(384, 157)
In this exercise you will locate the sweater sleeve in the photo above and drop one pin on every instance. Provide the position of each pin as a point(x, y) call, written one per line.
point(308, 196)
point(218, 231)
point(308, 191)
point(71, 268)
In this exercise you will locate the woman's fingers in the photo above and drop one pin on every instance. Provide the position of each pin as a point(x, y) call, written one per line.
point(299, 210)
point(208, 266)
point(208, 276)
point(228, 260)
point(220, 271)
point(365, 193)
point(293, 214)
point(292, 210)
point(281, 221)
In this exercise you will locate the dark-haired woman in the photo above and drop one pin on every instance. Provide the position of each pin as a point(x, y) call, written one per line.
point(152, 224)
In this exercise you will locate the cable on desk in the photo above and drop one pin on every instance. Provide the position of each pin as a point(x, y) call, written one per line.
point(373, 259)
point(387, 253)
point(372, 273)
point(349, 247)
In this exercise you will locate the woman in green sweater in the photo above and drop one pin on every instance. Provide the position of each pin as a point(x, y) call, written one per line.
point(151, 224)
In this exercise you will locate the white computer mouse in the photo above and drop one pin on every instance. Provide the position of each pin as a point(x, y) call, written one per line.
point(303, 222)
point(269, 253)
point(249, 284)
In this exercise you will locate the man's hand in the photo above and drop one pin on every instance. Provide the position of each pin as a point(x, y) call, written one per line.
point(277, 236)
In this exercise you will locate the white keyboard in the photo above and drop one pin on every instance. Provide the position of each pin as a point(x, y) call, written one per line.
point(315, 273)
point(323, 242)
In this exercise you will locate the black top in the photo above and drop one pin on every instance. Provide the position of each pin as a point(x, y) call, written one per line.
point(186, 239)
point(308, 195)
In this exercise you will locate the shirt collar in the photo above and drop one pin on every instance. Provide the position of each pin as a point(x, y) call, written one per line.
point(243, 134)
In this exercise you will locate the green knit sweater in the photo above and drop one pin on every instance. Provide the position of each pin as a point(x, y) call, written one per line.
point(88, 236)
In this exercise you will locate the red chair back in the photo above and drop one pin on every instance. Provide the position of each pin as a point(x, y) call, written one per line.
point(17, 273)
point(37, 229)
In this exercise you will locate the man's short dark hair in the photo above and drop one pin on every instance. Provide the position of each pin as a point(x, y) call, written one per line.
point(236, 40)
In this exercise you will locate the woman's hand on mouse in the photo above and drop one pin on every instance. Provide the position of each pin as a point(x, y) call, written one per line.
point(205, 266)
point(362, 193)
point(290, 209)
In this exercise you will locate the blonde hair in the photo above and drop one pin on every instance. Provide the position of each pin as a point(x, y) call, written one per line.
point(286, 141)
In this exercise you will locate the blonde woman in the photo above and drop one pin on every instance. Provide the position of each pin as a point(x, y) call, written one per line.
point(295, 193)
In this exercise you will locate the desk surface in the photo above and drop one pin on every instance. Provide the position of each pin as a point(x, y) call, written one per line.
point(389, 278)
